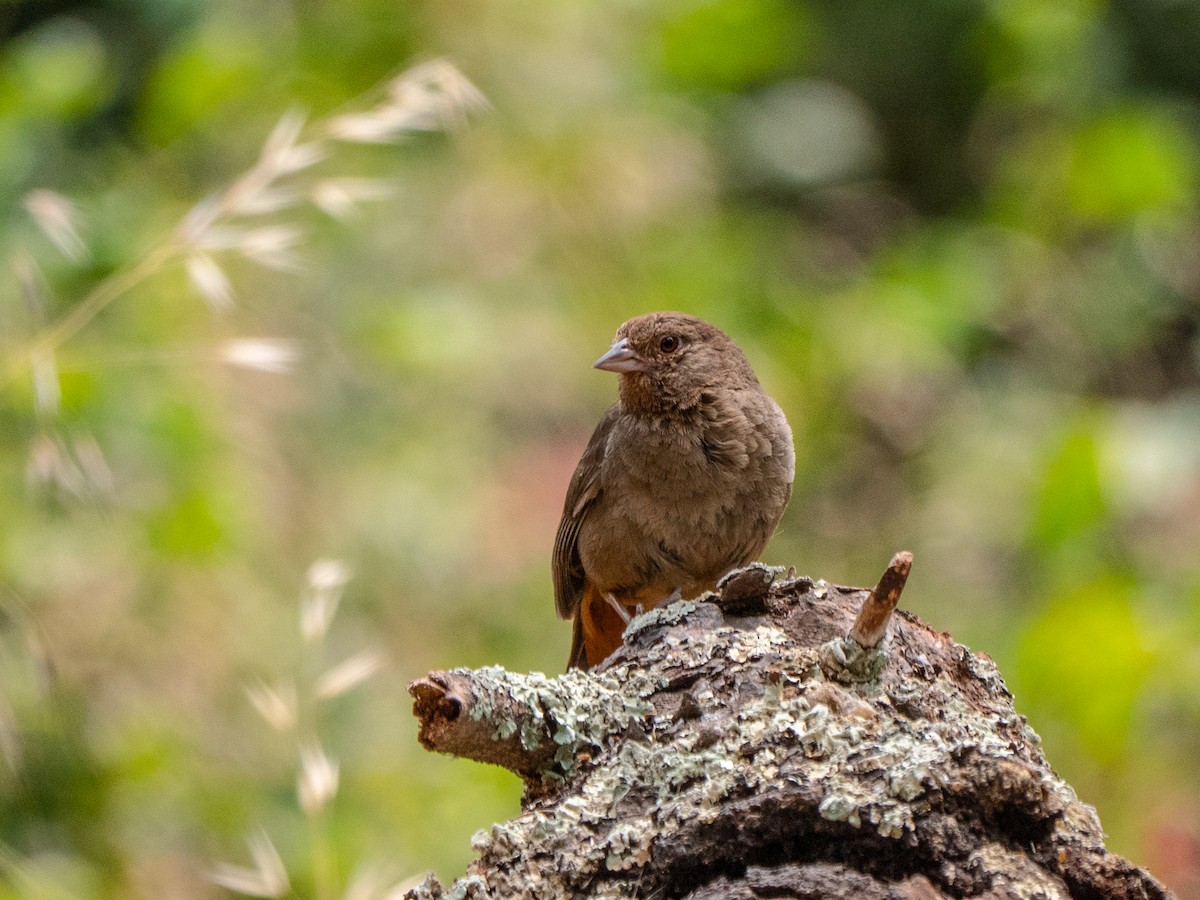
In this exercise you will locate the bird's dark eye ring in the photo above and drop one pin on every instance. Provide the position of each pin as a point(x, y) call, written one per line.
point(668, 343)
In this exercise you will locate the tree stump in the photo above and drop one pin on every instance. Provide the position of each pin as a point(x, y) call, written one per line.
point(778, 738)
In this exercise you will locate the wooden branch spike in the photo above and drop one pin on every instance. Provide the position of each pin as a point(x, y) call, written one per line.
point(870, 627)
point(468, 714)
point(432, 699)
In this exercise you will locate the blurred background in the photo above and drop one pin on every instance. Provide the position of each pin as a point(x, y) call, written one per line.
point(958, 239)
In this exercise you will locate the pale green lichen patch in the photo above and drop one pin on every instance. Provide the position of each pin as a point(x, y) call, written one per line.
point(660, 616)
point(628, 846)
point(575, 710)
point(687, 648)
point(838, 807)
point(847, 661)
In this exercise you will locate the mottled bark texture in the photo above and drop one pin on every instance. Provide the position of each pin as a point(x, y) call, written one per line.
point(749, 746)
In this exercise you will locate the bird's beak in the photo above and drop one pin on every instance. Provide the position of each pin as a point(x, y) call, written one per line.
point(620, 358)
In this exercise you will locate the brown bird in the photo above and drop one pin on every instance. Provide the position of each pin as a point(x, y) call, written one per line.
point(684, 479)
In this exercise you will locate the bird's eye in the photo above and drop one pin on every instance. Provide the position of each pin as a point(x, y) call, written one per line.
point(668, 343)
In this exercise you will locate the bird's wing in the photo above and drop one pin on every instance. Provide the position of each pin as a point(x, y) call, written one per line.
point(569, 577)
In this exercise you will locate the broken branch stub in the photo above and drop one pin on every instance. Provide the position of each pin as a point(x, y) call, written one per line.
point(870, 626)
point(859, 657)
point(770, 743)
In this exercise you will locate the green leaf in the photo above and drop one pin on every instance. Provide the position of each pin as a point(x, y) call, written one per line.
point(1070, 499)
point(1128, 162)
point(729, 44)
point(189, 527)
point(1081, 666)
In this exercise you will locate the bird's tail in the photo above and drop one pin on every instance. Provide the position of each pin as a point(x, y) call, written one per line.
point(578, 658)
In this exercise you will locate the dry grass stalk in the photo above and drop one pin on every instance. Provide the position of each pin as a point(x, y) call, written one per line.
point(347, 675)
point(268, 877)
point(277, 705)
point(294, 706)
point(317, 782)
point(434, 95)
point(59, 220)
point(274, 355)
point(319, 603)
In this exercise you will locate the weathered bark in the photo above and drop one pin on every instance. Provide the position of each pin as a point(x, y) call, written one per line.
point(757, 744)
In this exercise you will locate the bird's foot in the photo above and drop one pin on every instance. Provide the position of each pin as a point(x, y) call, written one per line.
point(621, 610)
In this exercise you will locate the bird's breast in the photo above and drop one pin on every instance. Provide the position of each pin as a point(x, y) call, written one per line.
point(684, 501)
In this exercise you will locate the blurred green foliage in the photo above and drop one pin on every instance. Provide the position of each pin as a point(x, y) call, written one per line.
point(957, 240)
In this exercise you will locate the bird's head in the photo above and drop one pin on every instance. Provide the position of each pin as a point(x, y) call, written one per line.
point(668, 361)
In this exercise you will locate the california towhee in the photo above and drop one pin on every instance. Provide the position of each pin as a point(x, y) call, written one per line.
point(683, 480)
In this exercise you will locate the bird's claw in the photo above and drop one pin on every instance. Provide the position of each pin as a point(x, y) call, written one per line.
point(621, 610)
point(838, 650)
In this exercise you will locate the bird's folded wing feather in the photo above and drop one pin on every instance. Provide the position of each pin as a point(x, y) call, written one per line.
point(584, 489)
